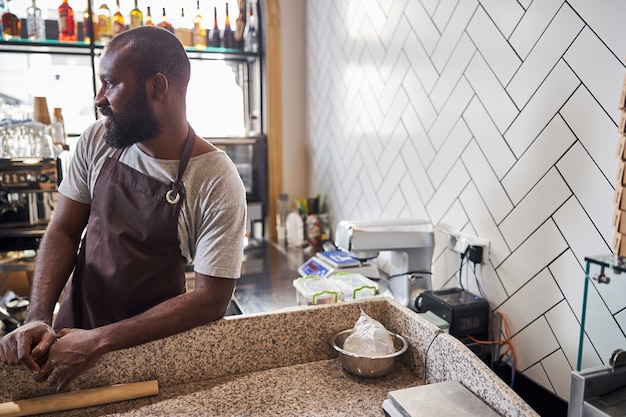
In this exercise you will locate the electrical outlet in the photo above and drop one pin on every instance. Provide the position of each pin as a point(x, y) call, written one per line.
point(460, 242)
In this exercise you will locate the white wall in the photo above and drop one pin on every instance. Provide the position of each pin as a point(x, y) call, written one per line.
point(494, 117)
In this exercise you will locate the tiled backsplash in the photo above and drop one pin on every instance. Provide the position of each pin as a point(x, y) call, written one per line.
point(496, 118)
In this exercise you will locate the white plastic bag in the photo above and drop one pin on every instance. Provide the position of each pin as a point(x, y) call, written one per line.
point(369, 338)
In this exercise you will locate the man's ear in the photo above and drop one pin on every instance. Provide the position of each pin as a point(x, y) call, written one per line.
point(157, 86)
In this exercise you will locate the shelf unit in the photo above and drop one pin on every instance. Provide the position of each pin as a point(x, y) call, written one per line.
point(247, 149)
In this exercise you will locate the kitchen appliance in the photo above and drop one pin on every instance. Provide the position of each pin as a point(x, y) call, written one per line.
point(467, 314)
point(599, 391)
point(410, 243)
point(327, 263)
point(30, 171)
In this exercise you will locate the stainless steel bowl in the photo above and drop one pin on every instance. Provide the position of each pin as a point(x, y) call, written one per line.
point(368, 366)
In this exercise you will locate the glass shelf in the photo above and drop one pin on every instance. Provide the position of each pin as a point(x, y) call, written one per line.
point(53, 45)
point(603, 315)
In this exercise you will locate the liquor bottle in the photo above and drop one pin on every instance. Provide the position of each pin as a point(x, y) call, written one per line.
point(199, 32)
point(136, 17)
point(11, 24)
point(105, 26)
point(251, 35)
point(36, 28)
point(240, 25)
point(58, 127)
point(183, 29)
point(90, 24)
point(67, 25)
point(216, 39)
point(229, 35)
point(118, 19)
point(164, 23)
point(149, 17)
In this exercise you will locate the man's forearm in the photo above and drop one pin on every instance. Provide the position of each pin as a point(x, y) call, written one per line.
point(173, 316)
point(55, 261)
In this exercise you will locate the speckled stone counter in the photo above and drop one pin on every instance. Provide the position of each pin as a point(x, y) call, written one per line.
point(275, 364)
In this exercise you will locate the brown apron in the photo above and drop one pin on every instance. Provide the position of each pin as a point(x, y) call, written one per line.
point(129, 259)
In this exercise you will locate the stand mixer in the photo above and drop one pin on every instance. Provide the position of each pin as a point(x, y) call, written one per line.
point(411, 243)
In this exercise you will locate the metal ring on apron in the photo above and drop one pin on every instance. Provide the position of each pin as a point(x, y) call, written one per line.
point(171, 198)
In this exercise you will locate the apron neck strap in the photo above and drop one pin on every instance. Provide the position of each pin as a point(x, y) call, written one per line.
point(184, 159)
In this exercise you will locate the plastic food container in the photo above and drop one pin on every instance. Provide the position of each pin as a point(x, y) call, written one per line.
point(316, 290)
point(354, 286)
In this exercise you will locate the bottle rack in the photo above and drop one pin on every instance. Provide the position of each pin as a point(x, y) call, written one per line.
point(252, 143)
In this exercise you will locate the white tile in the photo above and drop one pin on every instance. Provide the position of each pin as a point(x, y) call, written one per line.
point(420, 62)
point(553, 43)
point(543, 292)
point(373, 81)
point(593, 127)
point(450, 75)
point(418, 136)
point(417, 172)
point(422, 25)
point(489, 139)
point(443, 12)
point(461, 95)
point(566, 329)
point(369, 165)
point(491, 93)
point(604, 17)
point(549, 98)
point(395, 21)
point(486, 181)
point(532, 25)
point(394, 206)
point(449, 153)
point(570, 276)
point(560, 374)
point(484, 224)
point(505, 13)
point(430, 6)
point(493, 46)
point(590, 187)
point(391, 179)
point(599, 70)
point(411, 196)
point(543, 246)
point(447, 192)
point(454, 31)
point(394, 52)
point(420, 102)
point(392, 126)
point(527, 350)
point(539, 204)
point(551, 144)
point(579, 232)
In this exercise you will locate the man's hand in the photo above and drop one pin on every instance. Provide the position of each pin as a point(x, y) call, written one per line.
point(73, 353)
point(28, 344)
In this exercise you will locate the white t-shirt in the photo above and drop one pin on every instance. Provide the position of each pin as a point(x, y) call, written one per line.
point(211, 224)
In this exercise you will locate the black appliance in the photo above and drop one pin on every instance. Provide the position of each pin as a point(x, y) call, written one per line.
point(467, 314)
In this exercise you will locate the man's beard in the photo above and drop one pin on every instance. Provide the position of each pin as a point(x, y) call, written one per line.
point(135, 122)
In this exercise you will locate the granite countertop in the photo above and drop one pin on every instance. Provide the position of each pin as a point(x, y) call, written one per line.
point(278, 363)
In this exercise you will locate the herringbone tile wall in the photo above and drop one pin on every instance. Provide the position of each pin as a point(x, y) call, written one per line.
point(497, 118)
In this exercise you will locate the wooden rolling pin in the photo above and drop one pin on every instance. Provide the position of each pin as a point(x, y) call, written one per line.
point(78, 399)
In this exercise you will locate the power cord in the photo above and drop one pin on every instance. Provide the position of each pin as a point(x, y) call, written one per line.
point(461, 269)
point(409, 273)
point(437, 333)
